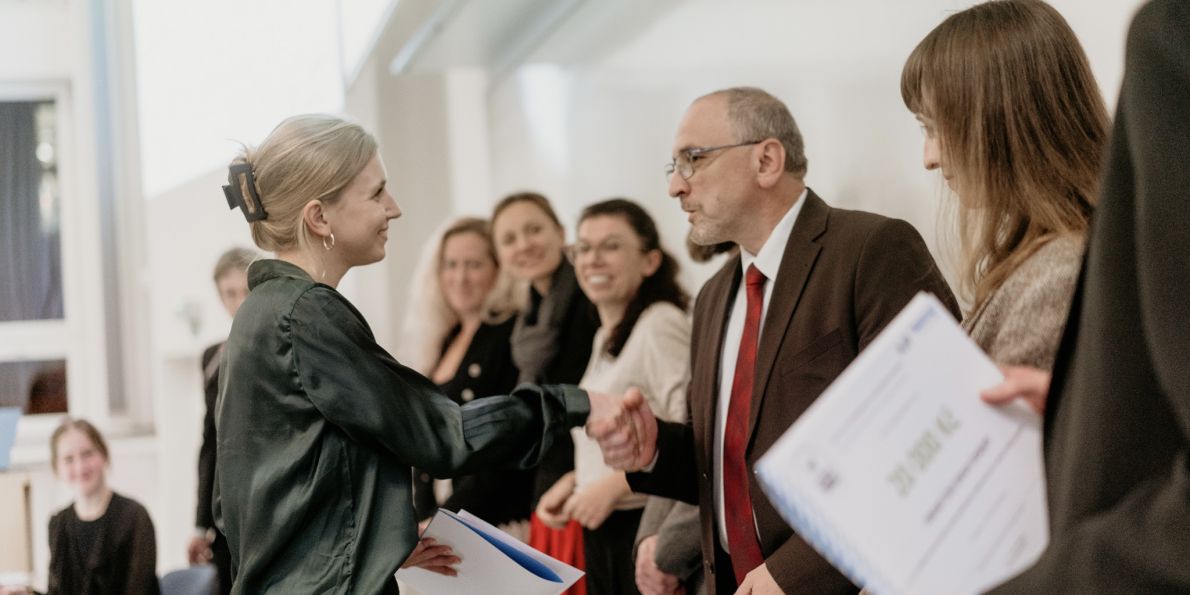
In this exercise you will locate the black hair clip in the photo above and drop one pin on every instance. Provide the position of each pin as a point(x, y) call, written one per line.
point(242, 192)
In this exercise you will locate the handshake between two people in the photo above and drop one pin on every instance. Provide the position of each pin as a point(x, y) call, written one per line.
point(625, 429)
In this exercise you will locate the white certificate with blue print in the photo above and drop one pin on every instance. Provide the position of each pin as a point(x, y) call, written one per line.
point(493, 562)
point(903, 478)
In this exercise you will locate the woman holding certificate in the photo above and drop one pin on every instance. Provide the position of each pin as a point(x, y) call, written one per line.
point(643, 342)
point(1014, 121)
point(318, 426)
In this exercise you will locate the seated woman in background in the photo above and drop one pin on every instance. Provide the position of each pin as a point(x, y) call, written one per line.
point(103, 542)
point(1014, 120)
point(457, 331)
point(643, 342)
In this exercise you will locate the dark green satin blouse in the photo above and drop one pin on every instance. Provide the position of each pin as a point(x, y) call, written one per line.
point(318, 427)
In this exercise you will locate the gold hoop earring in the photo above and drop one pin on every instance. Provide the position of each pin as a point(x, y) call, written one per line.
point(328, 248)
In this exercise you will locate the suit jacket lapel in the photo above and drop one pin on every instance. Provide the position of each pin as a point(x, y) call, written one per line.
point(800, 253)
point(720, 291)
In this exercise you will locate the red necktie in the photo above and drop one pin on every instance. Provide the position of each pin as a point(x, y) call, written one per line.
point(737, 504)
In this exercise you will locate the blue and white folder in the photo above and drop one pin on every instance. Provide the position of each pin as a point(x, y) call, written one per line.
point(493, 562)
point(903, 478)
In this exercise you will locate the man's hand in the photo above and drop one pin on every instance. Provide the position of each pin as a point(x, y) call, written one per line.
point(650, 579)
point(592, 505)
point(759, 582)
point(551, 507)
point(628, 438)
point(1020, 382)
point(432, 556)
point(198, 551)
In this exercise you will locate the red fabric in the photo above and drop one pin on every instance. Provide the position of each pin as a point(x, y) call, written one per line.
point(565, 545)
point(737, 503)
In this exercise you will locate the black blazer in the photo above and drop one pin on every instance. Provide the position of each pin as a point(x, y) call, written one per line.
point(844, 276)
point(1117, 424)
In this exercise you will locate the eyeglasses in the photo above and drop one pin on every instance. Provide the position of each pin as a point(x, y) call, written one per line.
point(683, 164)
point(608, 247)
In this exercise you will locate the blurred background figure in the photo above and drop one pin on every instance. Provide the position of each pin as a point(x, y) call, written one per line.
point(551, 338)
point(1015, 123)
point(102, 542)
point(643, 342)
point(457, 331)
point(208, 545)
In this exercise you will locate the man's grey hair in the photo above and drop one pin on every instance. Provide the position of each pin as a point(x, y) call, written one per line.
point(755, 114)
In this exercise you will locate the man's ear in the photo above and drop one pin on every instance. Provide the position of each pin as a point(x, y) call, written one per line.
point(314, 216)
point(771, 162)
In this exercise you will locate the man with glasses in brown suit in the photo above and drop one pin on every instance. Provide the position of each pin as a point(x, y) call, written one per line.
point(812, 286)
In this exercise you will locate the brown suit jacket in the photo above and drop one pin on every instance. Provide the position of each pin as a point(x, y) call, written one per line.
point(844, 276)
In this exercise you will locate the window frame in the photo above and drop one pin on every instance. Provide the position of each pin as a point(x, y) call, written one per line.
point(78, 337)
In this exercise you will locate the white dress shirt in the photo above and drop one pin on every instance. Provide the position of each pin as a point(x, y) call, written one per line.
point(656, 360)
point(768, 261)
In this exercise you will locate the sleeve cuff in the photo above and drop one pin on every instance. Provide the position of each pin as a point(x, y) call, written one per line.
point(652, 464)
point(578, 406)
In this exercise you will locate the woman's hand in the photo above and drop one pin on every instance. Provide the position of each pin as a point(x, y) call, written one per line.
point(550, 508)
point(594, 503)
point(15, 591)
point(1020, 382)
point(432, 556)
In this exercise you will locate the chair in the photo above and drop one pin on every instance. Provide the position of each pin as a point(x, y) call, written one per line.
point(195, 580)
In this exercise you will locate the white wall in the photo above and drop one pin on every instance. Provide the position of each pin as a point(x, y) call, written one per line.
point(837, 65)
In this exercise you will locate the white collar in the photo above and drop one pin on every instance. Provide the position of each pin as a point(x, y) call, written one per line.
point(768, 259)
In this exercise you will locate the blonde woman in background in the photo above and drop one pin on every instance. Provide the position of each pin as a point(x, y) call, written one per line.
point(458, 325)
point(1014, 121)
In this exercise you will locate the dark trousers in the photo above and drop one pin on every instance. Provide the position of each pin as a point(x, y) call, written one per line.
point(610, 567)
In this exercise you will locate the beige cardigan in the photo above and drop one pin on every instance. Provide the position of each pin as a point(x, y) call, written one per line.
point(1021, 322)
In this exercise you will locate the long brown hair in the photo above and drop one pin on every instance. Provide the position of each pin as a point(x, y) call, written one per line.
point(1022, 125)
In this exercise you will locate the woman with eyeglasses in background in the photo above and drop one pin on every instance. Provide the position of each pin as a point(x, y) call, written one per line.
point(643, 342)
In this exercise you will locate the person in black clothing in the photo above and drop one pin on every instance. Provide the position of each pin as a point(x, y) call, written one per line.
point(551, 340)
point(208, 544)
point(103, 542)
point(457, 334)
